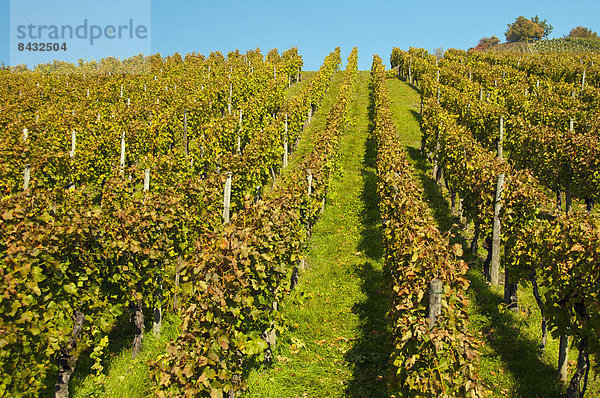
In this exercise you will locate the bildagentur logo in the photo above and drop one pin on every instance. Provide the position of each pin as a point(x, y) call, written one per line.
point(44, 31)
point(84, 31)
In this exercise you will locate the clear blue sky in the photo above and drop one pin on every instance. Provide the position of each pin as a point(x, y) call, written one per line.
point(316, 27)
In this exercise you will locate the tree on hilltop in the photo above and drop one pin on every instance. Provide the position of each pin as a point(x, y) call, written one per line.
point(544, 24)
point(584, 33)
point(528, 30)
point(486, 42)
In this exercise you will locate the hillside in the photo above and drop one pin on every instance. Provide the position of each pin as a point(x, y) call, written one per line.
point(561, 45)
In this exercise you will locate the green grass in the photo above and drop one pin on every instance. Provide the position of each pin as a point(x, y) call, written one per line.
point(319, 119)
point(337, 345)
point(297, 88)
point(123, 377)
point(511, 364)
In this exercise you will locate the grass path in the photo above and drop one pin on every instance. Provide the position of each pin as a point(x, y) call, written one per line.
point(337, 344)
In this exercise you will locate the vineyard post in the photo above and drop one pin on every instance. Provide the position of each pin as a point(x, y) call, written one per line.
point(309, 192)
point(227, 199)
point(410, 79)
point(257, 194)
point(122, 161)
point(185, 134)
point(437, 84)
point(72, 153)
point(285, 144)
point(27, 168)
point(177, 271)
point(501, 139)
point(563, 358)
point(73, 143)
point(435, 301)
point(583, 80)
point(495, 261)
point(436, 154)
point(239, 137)
point(230, 95)
point(157, 318)
point(273, 175)
point(146, 180)
point(568, 198)
point(121, 91)
point(26, 177)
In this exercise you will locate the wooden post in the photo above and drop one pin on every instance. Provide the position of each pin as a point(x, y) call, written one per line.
point(239, 137)
point(583, 80)
point(273, 175)
point(121, 91)
point(257, 194)
point(157, 319)
point(495, 262)
point(568, 197)
point(438, 84)
point(27, 168)
point(26, 177)
point(410, 79)
point(122, 161)
point(73, 143)
point(309, 178)
point(227, 199)
point(185, 134)
point(501, 139)
point(285, 144)
point(146, 180)
point(435, 161)
point(229, 101)
point(435, 301)
point(563, 358)
point(571, 125)
point(177, 271)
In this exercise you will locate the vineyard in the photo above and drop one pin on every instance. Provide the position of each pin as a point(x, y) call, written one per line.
point(236, 226)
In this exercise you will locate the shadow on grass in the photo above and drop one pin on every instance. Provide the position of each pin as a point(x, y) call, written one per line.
point(120, 338)
point(370, 353)
point(500, 329)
